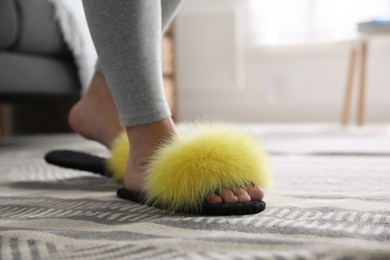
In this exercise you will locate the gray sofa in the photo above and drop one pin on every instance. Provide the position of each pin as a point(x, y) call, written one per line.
point(35, 63)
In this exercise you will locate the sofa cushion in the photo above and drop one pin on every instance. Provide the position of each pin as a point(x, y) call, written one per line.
point(8, 23)
point(25, 77)
point(39, 33)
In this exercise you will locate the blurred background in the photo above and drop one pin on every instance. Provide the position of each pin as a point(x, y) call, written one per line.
point(256, 61)
point(277, 60)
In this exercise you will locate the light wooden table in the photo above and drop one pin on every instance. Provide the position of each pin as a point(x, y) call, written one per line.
point(357, 50)
point(358, 56)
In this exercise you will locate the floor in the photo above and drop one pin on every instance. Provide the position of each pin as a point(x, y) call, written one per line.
point(331, 200)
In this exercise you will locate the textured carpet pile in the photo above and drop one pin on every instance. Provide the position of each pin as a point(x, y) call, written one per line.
point(331, 200)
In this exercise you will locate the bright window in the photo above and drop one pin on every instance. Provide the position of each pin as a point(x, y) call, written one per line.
point(301, 21)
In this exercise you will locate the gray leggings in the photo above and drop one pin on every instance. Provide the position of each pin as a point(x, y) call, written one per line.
point(127, 36)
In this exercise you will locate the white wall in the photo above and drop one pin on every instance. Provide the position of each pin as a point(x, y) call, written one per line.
point(220, 75)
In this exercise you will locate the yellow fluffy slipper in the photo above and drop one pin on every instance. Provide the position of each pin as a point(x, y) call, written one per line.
point(186, 170)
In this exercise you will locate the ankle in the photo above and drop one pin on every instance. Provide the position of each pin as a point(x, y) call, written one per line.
point(144, 141)
point(156, 131)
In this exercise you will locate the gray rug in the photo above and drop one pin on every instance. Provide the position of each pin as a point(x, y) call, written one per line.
point(331, 200)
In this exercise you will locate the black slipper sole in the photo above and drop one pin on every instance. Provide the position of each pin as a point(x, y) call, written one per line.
point(224, 209)
point(91, 163)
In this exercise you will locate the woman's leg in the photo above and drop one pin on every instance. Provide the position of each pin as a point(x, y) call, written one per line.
point(127, 36)
point(95, 116)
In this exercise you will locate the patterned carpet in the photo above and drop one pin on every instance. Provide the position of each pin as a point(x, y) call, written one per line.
point(331, 200)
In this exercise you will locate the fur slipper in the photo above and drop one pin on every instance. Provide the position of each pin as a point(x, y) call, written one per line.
point(186, 170)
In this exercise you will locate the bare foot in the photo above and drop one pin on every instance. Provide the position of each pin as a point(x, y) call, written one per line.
point(94, 116)
point(144, 141)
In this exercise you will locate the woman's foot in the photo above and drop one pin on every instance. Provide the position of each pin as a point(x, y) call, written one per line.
point(94, 116)
point(144, 141)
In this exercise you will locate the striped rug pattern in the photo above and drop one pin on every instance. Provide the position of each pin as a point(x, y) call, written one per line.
point(331, 200)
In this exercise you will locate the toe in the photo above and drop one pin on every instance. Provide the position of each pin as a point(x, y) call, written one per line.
point(242, 195)
point(214, 199)
point(256, 193)
point(238, 195)
point(228, 196)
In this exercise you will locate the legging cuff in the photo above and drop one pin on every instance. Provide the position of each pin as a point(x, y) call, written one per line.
point(129, 121)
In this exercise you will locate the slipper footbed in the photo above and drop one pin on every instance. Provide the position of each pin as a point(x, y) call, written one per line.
point(78, 161)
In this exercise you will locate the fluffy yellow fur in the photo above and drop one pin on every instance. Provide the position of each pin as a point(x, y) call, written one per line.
point(189, 167)
point(208, 159)
point(117, 162)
